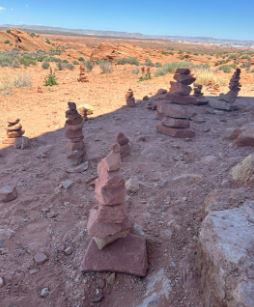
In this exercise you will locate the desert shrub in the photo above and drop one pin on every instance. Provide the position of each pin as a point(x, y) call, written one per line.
point(171, 67)
point(23, 80)
point(167, 52)
point(32, 34)
point(129, 60)
point(60, 66)
point(147, 76)
point(45, 65)
point(50, 80)
point(8, 31)
point(135, 71)
point(5, 86)
point(27, 59)
point(105, 66)
point(65, 61)
point(89, 65)
point(48, 41)
point(226, 68)
point(81, 59)
point(56, 51)
point(69, 66)
point(157, 65)
point(75, 62)
point(7, 42)
point(149, 63)
point(246, 66)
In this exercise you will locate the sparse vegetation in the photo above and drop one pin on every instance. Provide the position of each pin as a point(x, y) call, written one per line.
point(89, 65)
point(45, 65)
point(23, 80)
point(105, 66)
point(135, 71)
point(149, 63)
point(226, 68)
point(50, 80)
point(7, 42)
point(206, 76)
point(171, 67)
point(129, 60)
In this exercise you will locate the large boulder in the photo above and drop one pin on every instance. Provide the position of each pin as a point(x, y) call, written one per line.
point(227, 245)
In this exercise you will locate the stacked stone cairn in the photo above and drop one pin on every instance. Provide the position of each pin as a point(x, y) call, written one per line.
point(130, 99)
point(82, 74)
point(14, 131)
point(234, 88)
point(73, 132)
point(180, 90)
point(113, 247)
point(123, 141)
point(175, 121)
point(197, 92)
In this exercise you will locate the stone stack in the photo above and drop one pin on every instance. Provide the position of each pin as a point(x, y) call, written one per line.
point(175, 121)
point(14, 131)
point(113, 248)
point(73, 132)
point(123, 141)
point(201, 100)
point(130, 99)
point(234, 88)
point(82, 74)
point(180, 90)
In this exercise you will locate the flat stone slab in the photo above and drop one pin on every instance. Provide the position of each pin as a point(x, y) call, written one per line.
point(127, 255)
point(222, 105)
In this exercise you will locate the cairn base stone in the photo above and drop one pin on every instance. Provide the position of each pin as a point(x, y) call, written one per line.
point(127, 255)
point(174, 132)
point(183, 100)
point(222, 105)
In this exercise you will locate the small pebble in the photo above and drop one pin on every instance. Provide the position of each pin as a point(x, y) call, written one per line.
point(68, 251)
point(40, 258)
point(44, 292)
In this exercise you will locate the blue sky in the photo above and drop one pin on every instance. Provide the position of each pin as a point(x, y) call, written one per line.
point(214, 18)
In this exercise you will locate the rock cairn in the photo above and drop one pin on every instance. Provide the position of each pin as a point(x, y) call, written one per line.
point(201, 100)
point(175, 121)
point(234, 88)
point(180, 90)
point(14, 131)
point(123, 141)
point(198, 90)
point(130, 100)
point(82, 74)
point(73, 132)
point(113, 248)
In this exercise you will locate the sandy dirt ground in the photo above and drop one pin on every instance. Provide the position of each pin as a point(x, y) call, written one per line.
point(175, 177)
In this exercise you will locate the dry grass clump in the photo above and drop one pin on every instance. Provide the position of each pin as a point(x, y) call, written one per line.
point(206, 76)
point(8, 83)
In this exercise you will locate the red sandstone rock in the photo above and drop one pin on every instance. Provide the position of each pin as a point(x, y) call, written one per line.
point(82, 74)
point(127, 255)
point(177, 88)
point(110, 193)
point(111, 214)
point(183, 100)
point(102, 230)
point(14, 131)
point(184, 79)
point(174, 111)
point(122, 139)
point(178, 133)
point(175, 123)
point(113, 159)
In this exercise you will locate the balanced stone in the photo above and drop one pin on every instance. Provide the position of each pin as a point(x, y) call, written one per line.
point(14, 131)
point(123, 141)
point(82, 74)
point(234, 88)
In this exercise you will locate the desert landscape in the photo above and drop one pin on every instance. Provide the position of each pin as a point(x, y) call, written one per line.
point(178, 179)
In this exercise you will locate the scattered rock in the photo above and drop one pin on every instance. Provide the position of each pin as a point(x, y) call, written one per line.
point(8, 193)
point(79, 168)
point(68, 250)
point(44, 292)
point(243, 172)
point(22, 142)
point(40, 258)
point(98, 297)
point(66, 184)
point(132, 185)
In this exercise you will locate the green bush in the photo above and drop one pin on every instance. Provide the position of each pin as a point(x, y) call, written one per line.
point(81, 59)
point(147, 76)
point(105, 66)
point(171, 67)
point(226, 68)
point(27, 60)
point(135, 71)
point(89, 65)
point(75, 62)
point(129, 60)
point(7, 42)
point(45, 65)
point(50, 80)
point(149, 63)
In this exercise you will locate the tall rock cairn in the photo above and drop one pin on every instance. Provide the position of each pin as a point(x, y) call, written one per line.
point(73, 132)
point(113, 248)
point(82, 74)
point(180, 89)
point(234, 88)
